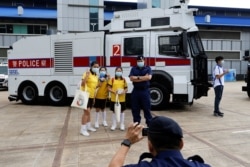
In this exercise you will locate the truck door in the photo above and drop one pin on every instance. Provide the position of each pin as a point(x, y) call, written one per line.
point(200, 73)
point(122, 50)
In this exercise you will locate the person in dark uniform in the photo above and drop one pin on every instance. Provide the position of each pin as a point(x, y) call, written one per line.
point(141, 75)
point(164, 144)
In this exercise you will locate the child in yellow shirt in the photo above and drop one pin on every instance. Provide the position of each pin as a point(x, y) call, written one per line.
point(118, 87)
point(101, 96)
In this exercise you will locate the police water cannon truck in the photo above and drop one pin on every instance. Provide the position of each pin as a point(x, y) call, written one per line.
point(51, 66)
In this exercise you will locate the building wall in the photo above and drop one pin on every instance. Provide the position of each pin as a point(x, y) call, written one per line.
point(80, 16)
point(231, 44)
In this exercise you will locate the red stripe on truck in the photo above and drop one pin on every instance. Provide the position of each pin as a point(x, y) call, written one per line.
point(86, 61)
point(117, 60)
point(81, 62)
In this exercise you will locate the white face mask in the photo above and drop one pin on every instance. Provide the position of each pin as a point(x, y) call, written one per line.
point(118, 74)
point(95, 70)
point(222, 62)
point(140, 63)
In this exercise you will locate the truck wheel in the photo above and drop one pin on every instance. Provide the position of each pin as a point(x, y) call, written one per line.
point(128, 100)
point(248, 90)
point(159, 96)
point(56, 95)
point(28, 94)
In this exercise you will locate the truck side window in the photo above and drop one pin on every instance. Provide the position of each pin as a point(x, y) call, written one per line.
point(169, 45)
point(133, 46)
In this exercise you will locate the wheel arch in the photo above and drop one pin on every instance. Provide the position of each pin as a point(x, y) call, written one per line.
point(163, 78)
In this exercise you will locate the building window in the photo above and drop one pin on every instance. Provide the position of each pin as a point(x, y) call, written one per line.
point(19, 29)
point(229, 55)
point(23, 29)
point(156, 3)
point(6, 28)
point(37, 29)
point(220, 35)
point(133, 46)
point(93, 15)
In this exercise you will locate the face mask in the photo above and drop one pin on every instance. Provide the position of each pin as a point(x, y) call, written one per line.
point(102, 73)
point(95, 70)
point(222, 62)
point(140, 64)
point(118, 74)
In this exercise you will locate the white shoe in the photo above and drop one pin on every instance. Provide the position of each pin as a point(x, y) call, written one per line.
point(113, 127)
point(84, 133)
point(97, 125)
point(91, 129)
point(122, 127)
point(105, 123)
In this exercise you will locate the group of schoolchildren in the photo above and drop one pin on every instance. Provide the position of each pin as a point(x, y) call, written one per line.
point(101, 86)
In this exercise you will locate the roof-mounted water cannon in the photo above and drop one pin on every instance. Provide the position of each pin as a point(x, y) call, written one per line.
point(185, 1)
point(178, 3)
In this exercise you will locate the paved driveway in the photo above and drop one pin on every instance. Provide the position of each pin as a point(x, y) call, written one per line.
point(44, 136)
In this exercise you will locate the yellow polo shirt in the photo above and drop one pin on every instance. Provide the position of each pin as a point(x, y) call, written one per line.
point(102, 92)
point(91, 83)
point(117, 84)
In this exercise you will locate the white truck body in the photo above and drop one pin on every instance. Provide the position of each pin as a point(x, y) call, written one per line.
point(51, 66)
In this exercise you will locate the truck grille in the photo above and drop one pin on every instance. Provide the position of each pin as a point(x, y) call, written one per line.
point(63, 57)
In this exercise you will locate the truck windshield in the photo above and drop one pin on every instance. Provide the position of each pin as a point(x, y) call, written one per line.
point(195, 44)
point(4, 70)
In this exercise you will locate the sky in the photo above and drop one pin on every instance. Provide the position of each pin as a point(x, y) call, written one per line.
point(222, 3)
point(219, 3)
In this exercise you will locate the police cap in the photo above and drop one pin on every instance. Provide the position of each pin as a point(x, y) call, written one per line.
point(140, 57)
point(161, 125)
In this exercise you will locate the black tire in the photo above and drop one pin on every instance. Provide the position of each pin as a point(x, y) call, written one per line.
point(28, 93)
point(159, 96)
point(128, 100)
point(248, 90)
point(56, 94)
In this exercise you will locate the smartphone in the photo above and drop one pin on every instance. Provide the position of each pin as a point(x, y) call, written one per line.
point(145, 132)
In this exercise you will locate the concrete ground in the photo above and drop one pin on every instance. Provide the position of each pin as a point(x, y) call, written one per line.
point(44, 136)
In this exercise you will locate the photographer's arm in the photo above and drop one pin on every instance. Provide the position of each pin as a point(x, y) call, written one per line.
point(134, 134)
